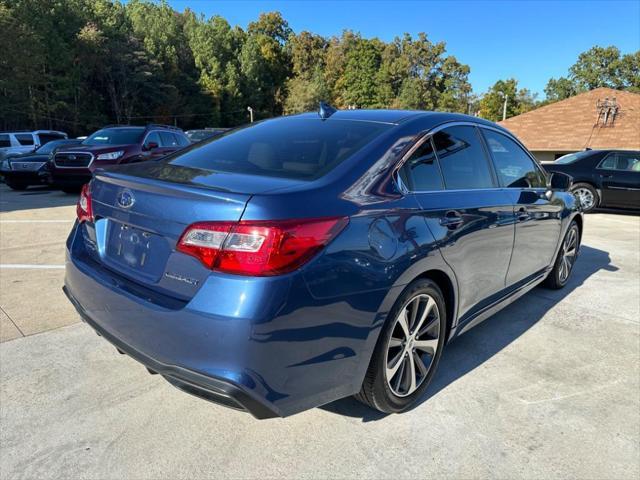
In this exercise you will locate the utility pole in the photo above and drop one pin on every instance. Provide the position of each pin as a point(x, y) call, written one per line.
point(504, 106)
point(250, 110)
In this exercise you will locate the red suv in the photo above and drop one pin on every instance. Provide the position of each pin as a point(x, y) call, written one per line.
point(72, 167)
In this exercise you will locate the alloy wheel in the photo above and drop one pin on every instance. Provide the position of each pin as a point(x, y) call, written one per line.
point(569, 254)
point(586, 198)
point(413, 344)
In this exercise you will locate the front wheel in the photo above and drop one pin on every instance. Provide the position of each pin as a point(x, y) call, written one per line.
point(408, 351)
point(586, 195)
point(566, 259)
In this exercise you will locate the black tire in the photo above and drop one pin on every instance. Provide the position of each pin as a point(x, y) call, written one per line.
point(376, 391)
point(589, 189)
point(557, 278)
point(16, 184)
point(73, 190)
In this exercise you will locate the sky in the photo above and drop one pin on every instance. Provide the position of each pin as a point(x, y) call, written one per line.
point(530, 41)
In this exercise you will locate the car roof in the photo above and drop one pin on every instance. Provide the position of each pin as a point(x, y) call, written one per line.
point(429, 118)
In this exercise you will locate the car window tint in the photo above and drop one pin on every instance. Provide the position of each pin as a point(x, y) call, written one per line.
point(462, 158)
point(168, 139)
point(421, 172)
point(153, 137)
point(514, 167)
point(628, 162)
point(182, 140)
point(609, 162)
point(24, 138)
point(49, 137)
point(5, 141)
point(287, 147)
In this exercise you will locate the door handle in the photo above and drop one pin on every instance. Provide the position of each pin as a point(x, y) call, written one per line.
point(523, 214)
point(606, 176)
point(451, 220)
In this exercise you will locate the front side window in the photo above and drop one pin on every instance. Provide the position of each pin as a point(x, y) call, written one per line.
point(303, 149)
point(168, 139)
point(24, 138)
point(420, 172)
point(153, 137)
point(462, 158)
point(5, 141)
point(514, 167)
point(115, 136)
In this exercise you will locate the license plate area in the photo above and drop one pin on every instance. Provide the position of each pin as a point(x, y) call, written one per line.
point(136, 251)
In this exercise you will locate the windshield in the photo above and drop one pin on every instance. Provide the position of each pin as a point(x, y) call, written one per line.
point(572, 157)
point(114, 136)
point(298, 149)
point(51, 146)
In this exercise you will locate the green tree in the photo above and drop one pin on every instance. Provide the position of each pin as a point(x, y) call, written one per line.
point(518, 100)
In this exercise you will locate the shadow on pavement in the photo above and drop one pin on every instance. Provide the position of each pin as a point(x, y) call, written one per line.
point(481, 343)
point(34, 198)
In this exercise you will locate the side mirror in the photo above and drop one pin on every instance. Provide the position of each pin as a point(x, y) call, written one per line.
point(560, 181)
point(150, 145)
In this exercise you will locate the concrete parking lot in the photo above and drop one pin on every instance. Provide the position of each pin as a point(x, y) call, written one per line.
point(548, 388)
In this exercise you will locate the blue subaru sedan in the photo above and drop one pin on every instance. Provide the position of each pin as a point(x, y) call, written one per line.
point(303, 259)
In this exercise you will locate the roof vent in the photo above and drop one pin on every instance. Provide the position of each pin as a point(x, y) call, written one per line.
point(607, 111)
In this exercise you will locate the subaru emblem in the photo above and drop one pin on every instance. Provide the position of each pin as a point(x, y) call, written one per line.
point(72, 157)
point(126, 199)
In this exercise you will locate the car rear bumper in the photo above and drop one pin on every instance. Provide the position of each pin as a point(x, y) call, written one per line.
point(262, 344)
point(209, 388)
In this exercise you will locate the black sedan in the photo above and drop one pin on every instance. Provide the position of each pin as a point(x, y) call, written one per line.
point(602, 178)
point(26, 169)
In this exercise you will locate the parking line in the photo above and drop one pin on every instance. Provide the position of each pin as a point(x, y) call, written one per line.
point(26, 266)
point(37, 221)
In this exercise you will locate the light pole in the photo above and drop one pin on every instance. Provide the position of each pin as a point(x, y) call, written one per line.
point(250, 110)
point(504, 106)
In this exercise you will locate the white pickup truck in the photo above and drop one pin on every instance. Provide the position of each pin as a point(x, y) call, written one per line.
point(25, 142)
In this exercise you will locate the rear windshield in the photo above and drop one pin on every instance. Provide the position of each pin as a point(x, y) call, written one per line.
point(114, 136)
point(572, 157)
point(290, 148)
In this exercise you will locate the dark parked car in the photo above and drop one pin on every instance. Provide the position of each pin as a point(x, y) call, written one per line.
point(73, 167)
point(24, 169)
point(196, 136)
point(303, 259)
point(602, 178)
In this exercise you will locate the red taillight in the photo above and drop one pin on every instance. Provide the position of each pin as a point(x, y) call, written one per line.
point(84, 211)
point(258, 248)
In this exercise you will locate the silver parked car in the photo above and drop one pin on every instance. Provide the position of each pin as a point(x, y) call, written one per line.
point(26, 141)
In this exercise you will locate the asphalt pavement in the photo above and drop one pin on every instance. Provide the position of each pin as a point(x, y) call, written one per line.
point(547, 388)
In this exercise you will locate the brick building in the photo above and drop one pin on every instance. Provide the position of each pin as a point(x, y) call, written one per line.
point(599, 119)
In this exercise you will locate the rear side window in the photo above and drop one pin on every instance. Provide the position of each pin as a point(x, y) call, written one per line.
point(168, 139)
point(420, 172)
point(514, 167)
point(24, 138)
point(5, 141)
point(462, 158)
point(289, 147)
point(629, 162)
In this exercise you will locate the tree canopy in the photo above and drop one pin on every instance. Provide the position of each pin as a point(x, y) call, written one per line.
point(76, 65)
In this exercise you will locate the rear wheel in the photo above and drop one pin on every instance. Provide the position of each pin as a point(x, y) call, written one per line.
point(587, 195)
point(566, 259)
point(408, 351)
point(16, 184)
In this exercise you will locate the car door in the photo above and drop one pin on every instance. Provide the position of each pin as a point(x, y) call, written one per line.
point(470, 218)
point(537, 216)
point(620, 176)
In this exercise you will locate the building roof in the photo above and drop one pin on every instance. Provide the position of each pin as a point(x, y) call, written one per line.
point(582, 121)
